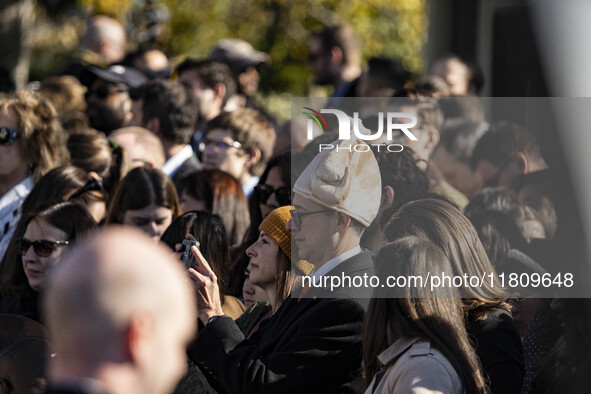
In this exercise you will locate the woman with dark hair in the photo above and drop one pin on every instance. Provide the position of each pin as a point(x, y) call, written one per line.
point(272, 191)
point(270, 268)
point(48, 232)
point(32, 142)
point(146, 199)
point(208, 229)
point(66, 183)
point(487, 312)
point(220, 193)
point(418, 339)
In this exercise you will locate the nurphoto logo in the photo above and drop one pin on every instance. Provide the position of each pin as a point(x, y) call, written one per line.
point(394, 121)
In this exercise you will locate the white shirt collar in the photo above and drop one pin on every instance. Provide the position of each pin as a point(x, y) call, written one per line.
point(248, 187)
point(333, 263)
point(174, 162)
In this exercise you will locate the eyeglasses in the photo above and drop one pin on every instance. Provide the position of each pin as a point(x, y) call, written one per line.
point(297, 216)
point(494, 181)
point(264, 191)
point(42, 247)
point(104, 91)
point(152, 74)
point(7, 135)
point(219, 145)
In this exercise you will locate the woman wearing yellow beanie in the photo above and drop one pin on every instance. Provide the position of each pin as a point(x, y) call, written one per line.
point(270, 267)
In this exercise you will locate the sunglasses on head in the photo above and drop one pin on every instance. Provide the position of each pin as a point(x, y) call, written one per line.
point(264, 191)
point(104, 91)
point(42, 247)
point(152, 74)
point(7, 135)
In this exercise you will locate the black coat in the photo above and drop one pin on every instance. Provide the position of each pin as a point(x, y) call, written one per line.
point(309, 345)
point(498, 345)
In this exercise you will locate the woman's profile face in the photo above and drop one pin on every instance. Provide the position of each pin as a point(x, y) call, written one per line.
point(42, 254)
point(153, 219)
point(263, 261)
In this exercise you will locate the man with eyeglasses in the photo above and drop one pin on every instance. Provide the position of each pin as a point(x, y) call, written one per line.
point(505, 152)
point(240, 143)
point(107, 98)
point(313, 343)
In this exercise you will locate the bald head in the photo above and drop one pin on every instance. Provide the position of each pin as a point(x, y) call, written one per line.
point(106, 37)
point(143, 146)
point(120, 302)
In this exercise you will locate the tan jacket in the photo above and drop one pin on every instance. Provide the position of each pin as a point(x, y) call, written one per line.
point(418, 368)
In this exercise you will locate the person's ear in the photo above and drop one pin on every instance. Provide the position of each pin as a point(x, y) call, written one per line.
point(253, 158)
point(387, 198)
point(153, 124)
point(219, 91)
point(138, 337)
point(336, 55)
point(521, 161)
point(343, 222)
point(432, 140)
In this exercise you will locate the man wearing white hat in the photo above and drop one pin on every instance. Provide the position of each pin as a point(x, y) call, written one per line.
point(313, 342)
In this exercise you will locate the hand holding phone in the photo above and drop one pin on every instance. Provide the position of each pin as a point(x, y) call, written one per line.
point(188, 259)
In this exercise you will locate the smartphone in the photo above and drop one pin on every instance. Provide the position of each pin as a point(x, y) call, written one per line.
point(188, 259)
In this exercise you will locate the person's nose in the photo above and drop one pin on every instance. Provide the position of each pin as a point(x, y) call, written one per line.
point(30, 254)
point(250, 252)
point(272, 201)
point(248, 289)
point(152, 229)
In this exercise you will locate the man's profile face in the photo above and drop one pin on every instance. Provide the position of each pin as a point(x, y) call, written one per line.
point(455, 73)
point(108, 106)
point(313, 235)
point(319, 62)
point(457, 173)
point(493, 176)
point(203, 96)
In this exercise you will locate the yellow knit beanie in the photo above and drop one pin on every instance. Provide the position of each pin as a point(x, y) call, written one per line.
point(274, 225)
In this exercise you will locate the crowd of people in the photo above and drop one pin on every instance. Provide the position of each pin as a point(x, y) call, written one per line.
point(110, 168)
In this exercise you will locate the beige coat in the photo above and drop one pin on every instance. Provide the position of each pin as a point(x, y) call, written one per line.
point(418, 368)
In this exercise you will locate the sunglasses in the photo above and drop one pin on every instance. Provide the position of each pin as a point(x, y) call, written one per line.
point(297, 216)
point(219, 145)
point(42, 247)
point(152, 74)
point(104, 91)
point(264, 191)
point(7, 135)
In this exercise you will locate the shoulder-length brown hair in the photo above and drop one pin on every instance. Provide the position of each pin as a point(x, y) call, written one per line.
point(419, 312)
point(42, 137)
point(445, 226)
point(223, 196)
point(140, 188)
